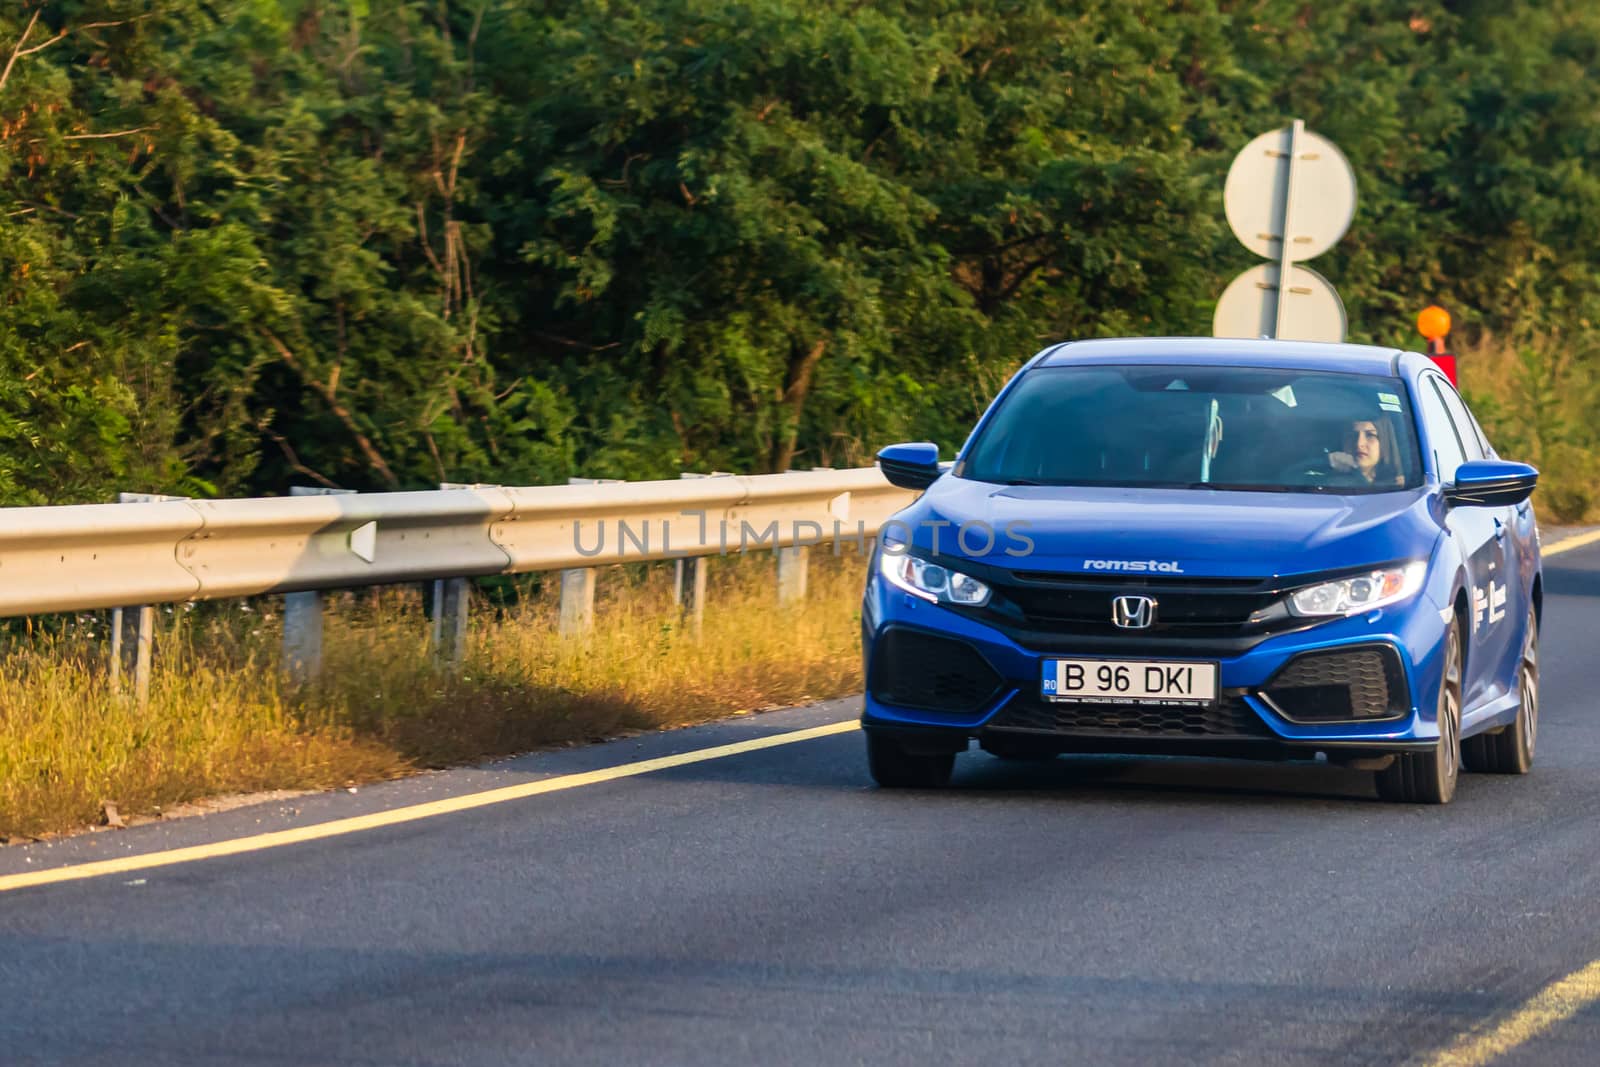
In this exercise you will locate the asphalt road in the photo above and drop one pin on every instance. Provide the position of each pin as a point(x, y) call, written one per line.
point(774, 907)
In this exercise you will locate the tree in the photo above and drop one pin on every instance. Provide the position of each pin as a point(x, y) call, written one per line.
point(384, 243)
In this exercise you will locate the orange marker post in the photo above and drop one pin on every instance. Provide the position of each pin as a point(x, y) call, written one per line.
point(1433, 323)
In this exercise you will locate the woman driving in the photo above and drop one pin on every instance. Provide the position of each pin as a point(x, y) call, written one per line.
point(1370, 451)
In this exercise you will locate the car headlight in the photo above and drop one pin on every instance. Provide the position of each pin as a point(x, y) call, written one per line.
point(930, 581)
point(1359, 592)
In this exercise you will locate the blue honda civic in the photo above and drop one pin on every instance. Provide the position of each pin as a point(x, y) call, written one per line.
point(1231, 548)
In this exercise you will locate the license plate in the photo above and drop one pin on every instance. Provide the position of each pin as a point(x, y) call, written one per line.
point(1129, 681)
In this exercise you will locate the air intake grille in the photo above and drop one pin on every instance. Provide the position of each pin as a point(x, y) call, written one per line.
point(1230, 717)
point(917, 670)
point(1340, 686)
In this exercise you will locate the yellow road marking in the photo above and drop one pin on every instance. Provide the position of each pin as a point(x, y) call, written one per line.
point(1552, 1005)
point(1555, 1003)
point(412, 813)
point(1567, 544)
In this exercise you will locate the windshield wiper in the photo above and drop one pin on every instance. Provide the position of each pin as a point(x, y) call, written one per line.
point(1310, 487)
point(1241, 487)
point(1020, 481)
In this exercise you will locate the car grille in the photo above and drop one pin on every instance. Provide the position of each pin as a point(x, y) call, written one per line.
point(912, 669)
point(1340, 685)
point(1183, 608)
point(1230, 717)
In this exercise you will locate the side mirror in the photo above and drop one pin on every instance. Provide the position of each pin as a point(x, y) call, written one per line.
point(1491, 483)
point(910, 466)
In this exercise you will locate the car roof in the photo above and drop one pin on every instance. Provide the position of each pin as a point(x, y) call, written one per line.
point(1223, 351)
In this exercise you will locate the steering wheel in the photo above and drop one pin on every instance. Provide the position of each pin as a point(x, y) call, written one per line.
point(1309, 471)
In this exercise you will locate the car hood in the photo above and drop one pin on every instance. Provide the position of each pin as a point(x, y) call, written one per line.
point(1168, 531)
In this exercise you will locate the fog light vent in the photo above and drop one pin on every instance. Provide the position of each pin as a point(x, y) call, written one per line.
point(911, 669)
point(1340, 685)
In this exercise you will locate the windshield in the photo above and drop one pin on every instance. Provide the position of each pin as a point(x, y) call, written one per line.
point(1250, 428)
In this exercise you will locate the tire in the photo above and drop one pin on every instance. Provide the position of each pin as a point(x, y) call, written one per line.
point(1511, 750)
point(1430, 777)
point(893, 767)
point(1478, 753)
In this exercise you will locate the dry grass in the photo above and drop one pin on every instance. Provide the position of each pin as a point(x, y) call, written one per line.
point(1536, 395)
point(221, 718)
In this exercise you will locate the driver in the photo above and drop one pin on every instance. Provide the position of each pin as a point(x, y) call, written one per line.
point(1369, 451)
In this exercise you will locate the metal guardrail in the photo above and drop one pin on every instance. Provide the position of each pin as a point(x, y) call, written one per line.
point(119, 555)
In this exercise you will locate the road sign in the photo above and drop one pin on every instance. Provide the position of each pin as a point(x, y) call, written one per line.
point(1311, 186)
point(1290, 196)
point(1249, 307)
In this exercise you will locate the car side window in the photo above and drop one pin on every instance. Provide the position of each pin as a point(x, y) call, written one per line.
point(1466, 430)
point(1483, 438)
point(1447, 451)
point(1488, 449)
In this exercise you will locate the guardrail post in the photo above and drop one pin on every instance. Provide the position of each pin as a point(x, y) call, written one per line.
point(791, 574)
point(302, 615)
point(130, 641)
point(577, 584)
point(577, 601)
point(142, 624)
point(792, 568)
point(689, 577)
point(116, 648)
point(132, 632)
point(690, 592)
point(452, 599)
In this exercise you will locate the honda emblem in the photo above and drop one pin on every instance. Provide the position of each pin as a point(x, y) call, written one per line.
point(1133, 612)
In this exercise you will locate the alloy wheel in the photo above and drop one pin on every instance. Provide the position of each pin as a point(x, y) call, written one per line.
point(1450, 710)
point(1528, 684)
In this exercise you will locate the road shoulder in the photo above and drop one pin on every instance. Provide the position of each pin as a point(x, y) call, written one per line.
point(266, 813)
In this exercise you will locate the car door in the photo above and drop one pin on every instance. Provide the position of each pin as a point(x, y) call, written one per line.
point(1520, 545)
point(1504, 610)
point(1522, 550)
point(1480, 535)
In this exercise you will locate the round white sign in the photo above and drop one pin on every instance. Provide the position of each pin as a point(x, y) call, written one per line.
point(1249, 307)
point(1314, 200)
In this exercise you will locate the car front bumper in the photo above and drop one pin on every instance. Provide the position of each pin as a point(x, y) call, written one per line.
point(1245, 722)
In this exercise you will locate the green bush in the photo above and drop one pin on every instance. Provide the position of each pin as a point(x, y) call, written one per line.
point(385, 243)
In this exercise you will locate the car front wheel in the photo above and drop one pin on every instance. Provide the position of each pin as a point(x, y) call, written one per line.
point(1430, 777)
point(893, 767)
